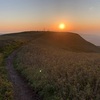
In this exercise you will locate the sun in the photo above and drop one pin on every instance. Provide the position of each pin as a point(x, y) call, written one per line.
point(62, 26)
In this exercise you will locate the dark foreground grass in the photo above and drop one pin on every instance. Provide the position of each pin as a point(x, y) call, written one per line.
point(9, 43)
point(58, 74)
point(6, 92)
point(55, 73)
point(6, 89)
point(7, 46)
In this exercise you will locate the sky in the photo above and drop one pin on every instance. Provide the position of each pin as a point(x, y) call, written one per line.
point(81, 16)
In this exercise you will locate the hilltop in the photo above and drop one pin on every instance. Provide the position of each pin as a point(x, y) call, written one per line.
point(70, 41)
point(65, 40)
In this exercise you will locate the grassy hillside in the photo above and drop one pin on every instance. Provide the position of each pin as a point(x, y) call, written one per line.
point(46, 61)
point(58, 74)
point(99, 46)
point(70, 41)
point(6, 92)
point(65, 40)
point(9, 43)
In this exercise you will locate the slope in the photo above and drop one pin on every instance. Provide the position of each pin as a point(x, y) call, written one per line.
point(69, 41)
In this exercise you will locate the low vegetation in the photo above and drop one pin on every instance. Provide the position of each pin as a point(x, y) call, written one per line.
point(54, 72)
point(9, 43)
point(6, 88)
point(6, 92)
point(58, 74)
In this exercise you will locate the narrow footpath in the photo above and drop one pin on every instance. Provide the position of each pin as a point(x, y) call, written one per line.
point(22, 90)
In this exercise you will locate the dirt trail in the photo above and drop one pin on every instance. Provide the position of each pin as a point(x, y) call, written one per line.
point(21, 89)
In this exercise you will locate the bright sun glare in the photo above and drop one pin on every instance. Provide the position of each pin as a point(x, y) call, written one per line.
point(62, 26)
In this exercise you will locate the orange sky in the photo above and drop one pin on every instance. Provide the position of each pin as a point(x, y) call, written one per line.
point(80, 15)
point(69, 26)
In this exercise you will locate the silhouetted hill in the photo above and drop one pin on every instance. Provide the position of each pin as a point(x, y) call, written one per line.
point(70, 41)
point(99, 46)
point(65, 40)
point(18, 38)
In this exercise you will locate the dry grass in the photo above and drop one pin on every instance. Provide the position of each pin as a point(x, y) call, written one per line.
point(8, 43)
point(55, 73)
point(58, 74)
point(6, 92)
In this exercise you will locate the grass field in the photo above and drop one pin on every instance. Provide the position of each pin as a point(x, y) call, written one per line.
point(6, 92)
point(54, 72)
point(7, 46)
point(9, 43)
point(58, 74)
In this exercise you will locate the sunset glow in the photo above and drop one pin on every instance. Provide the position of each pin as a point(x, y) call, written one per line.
point(47, 14)
point(80, 16)
point(62, 26)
